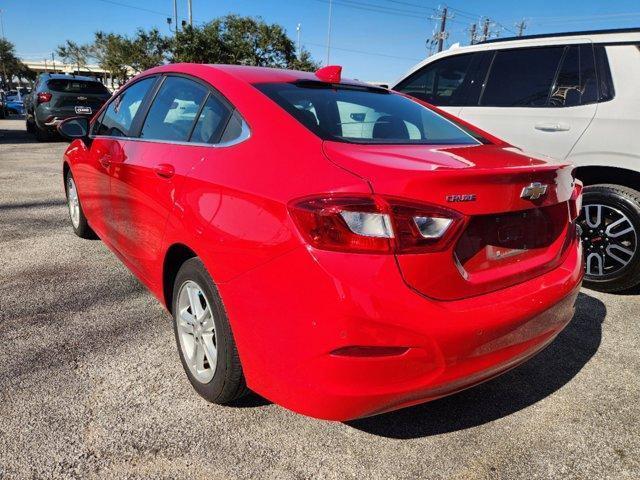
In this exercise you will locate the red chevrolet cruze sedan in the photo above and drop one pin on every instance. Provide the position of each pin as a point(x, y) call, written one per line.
point(338, 248)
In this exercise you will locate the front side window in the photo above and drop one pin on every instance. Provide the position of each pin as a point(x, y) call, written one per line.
point(363, 115)
point(174, 110)
point(119, 115)
point(521, 77)
point(440, 83)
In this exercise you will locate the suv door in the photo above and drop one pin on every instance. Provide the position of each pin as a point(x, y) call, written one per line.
point(541, 99)
point(146, 183)
point(105, 152)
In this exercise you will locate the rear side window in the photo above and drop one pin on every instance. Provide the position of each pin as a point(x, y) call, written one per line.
point(577, 82)
point(605, 82)
point(119, 115)
point(521, 77)
point(211, 121)
point(174, 110)
point(76, 86)
point(440, 83)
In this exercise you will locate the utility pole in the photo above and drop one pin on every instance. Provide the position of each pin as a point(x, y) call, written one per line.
point(521, 27)
point(473, 34)
point(175, 14)
point(442, 34)
point(4, 69)
point(53, 59)
point(485, 29)
point(190, 13)
point(298, 31)
point(329, 31)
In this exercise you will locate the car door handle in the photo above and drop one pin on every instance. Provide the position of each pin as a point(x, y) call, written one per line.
point(164, 170)
point(553, 127)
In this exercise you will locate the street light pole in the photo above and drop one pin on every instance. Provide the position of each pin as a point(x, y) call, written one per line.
point(298, 29)
point(175, 13)
point(190, 14)
point(329, 31)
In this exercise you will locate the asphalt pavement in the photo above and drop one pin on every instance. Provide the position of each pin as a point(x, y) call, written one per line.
point(91, 385)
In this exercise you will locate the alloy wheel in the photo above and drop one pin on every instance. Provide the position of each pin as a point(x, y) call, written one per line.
point(609, 239)
point(73, 202)
point(197, 332)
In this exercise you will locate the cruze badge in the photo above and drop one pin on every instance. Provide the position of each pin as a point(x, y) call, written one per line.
point(534, 191)
point(466, 197)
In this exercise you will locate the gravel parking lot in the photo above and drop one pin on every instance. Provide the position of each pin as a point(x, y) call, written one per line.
point(91, 385)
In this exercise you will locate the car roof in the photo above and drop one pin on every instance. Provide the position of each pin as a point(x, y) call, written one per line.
point(617, 36)
point(251, 74)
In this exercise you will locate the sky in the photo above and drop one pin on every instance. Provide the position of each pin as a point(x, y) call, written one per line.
point(374, 40)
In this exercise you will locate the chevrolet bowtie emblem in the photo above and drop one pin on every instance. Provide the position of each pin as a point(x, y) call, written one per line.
point(534, 191)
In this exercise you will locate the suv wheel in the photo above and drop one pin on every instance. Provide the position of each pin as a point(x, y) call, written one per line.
point(610, 224)
point(42, 134)
point(30, 126)
point(204, 338)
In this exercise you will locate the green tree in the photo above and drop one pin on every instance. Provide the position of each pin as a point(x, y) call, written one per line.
point(111, 51)
point(10, 64)
point(148, 49)
point(239, 40)
point(74, 53)
point(304, 62)
point(200, 45)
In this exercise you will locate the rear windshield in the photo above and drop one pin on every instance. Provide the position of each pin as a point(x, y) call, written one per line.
point(363, 115)
point(76, 86)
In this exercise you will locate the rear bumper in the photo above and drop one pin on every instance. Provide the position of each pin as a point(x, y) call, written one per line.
point(291, 314)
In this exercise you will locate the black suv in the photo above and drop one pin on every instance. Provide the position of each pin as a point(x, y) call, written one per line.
point(56, 97)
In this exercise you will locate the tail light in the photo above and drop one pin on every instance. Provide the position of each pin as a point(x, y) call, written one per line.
point(43, 97)
point(575, 203)
point(374, 224)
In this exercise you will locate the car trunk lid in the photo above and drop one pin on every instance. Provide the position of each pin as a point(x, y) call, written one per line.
point(505, 239)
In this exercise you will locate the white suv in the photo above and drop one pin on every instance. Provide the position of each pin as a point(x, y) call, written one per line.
point(574, 97)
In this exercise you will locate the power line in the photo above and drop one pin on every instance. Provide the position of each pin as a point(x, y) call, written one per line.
point(142, 9)
point(323, 45)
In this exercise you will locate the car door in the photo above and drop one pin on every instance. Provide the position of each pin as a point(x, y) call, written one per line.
point(145, 184)
point(104, 152)
point(541, 99)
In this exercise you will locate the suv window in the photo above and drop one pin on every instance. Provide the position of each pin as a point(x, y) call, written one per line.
point(76, 86)
point(576, 83)
point(174, 110)
point(521, 77)
point(440, 83)
point(605, 82)
point(120, 113)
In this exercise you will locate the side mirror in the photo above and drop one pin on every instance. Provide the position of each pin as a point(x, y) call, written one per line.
point(74, 127)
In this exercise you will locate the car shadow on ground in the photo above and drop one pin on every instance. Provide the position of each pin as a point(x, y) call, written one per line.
point(16, 136)
point(515, 390)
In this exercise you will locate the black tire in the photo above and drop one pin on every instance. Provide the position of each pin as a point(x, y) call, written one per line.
point(228, 382)
point(82, 229)
point(30, 126)
point(617, 201)
point(42, 134)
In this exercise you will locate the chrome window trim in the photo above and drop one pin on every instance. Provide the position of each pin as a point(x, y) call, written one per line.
point(245, 134)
